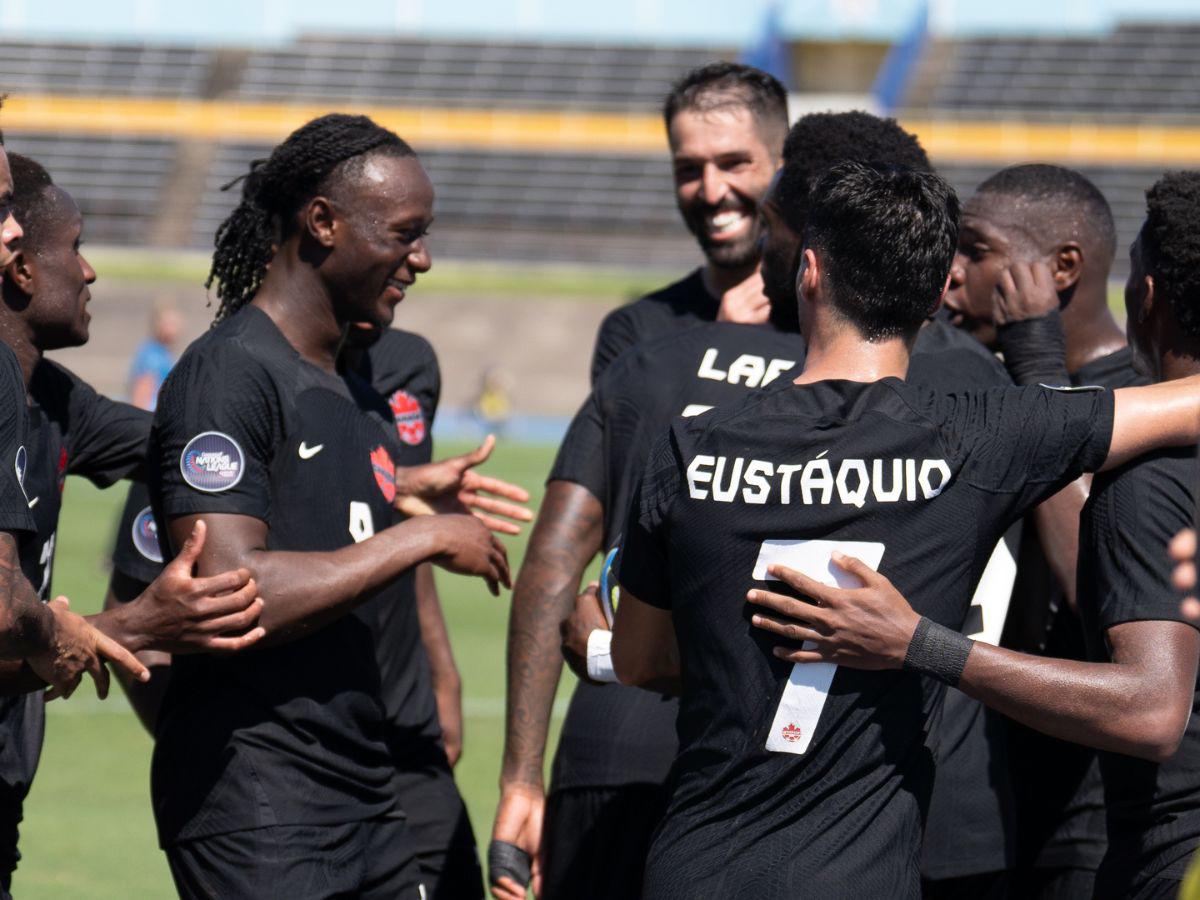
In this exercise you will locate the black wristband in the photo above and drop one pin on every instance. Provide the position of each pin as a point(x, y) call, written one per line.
point(507, 860)
point(938, 651)
point(1035, 350)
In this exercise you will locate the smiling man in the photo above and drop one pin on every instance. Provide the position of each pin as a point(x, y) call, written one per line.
point(726, 124)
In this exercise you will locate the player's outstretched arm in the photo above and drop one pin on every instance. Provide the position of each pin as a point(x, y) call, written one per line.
point(182, 613)
point(452, 486)
point(302, 591)
point(1156, 415)
point(447, 684)
point(565, 538)
point(1138, 704)
point(644, 650)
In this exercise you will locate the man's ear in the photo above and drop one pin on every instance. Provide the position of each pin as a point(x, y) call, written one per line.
point(808, 279)
point(941, 297)
point(1067, 266)
point(20, 272)
point(1145, 306)
point(321, 221)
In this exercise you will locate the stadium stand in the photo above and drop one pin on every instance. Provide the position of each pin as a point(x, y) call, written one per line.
point(523, 206)
point(118, 182)
point(1137, 71)
point(468, 73)
point(133, 70)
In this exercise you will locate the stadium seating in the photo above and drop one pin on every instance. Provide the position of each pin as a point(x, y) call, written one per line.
point(1137, 71)
point(118, 182)
point(106, 69)
point(468, 73)
point(526, 206)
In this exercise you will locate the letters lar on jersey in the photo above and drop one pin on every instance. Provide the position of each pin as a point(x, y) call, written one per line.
point(852, 482)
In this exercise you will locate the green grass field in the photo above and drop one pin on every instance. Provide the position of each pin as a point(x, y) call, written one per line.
point(88, 828)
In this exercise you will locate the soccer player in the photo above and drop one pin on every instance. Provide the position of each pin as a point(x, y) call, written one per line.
point(725, 126)
point(73, 430)
point(1135, 699)
point(811, 782)
point(1055, 215)
point(418, 674)
point(272, 772)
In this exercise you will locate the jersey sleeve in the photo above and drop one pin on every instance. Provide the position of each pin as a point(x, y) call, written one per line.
point(14, 455)
point(642, 569)
point(137, 553)
point(105, 439)
point(580, 458)
point(616, 335)
point(1024, 444)
point(1130, 517)
point(218, 423)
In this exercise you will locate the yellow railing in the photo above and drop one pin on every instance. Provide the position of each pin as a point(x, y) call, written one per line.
point(562, 131)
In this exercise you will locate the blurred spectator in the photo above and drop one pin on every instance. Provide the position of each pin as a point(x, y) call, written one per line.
point(154, 357)
point(493, 404)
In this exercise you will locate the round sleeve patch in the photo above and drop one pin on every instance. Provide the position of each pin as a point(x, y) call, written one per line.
point(19, 465)
point(145, 536)
point(212, 462)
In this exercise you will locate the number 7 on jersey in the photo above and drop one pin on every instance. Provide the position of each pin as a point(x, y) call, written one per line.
point(807, 687)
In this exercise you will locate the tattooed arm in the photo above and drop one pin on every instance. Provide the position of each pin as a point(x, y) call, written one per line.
point(26, 623)
point(565, 539)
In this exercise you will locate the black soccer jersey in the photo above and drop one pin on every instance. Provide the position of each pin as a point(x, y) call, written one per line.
point(291, 734)
point(403, 368)
point(1153, 810)
point(1060, 802)
point(14, 452)
point(926, 484)
point(613, 734)
point(72, 431)
point(678, 306)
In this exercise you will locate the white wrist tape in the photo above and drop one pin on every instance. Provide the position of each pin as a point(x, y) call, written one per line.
point(599, 656)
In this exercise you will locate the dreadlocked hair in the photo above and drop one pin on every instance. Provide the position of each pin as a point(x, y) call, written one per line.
point(275, 190)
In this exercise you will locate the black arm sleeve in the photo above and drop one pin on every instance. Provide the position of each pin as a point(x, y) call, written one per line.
point(616, 335)
point(137, 554)
point(643, 568)
point(218, 422)
point(105, 439)
point(580, 457)
point(14, 453)
point(1132, 514)
point(1024, 444)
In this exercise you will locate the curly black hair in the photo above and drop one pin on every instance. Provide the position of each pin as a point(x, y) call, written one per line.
point(819, 141)
point(1170, 245)
point(31, 200)
point(722, 84)
point(310, 161)
point(1058, 201)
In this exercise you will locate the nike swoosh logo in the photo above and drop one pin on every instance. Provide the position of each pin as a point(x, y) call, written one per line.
point(33, 502)
point(307, 452)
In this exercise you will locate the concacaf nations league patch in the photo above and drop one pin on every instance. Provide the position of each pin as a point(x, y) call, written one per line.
point(212, 462)
point(145, 536)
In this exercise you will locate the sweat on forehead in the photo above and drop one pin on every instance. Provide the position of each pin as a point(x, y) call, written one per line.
point(1030, 223)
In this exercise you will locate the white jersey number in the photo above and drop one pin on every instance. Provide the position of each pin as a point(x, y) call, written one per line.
point(362, 523)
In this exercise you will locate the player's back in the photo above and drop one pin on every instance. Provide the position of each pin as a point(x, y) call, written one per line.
point(930, 482)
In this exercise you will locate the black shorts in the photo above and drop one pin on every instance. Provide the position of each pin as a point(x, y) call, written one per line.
point(372, 860)
point(595, 840)
point(440, 834)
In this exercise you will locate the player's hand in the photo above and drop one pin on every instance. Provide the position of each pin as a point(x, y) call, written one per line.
point(180, 613)
point(588, 616)
point(519, 822)
point(1182, 550)
point(864, 628)
point(451, 486)
point(467, 547)
point(1024, 291)
point(76, 649)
